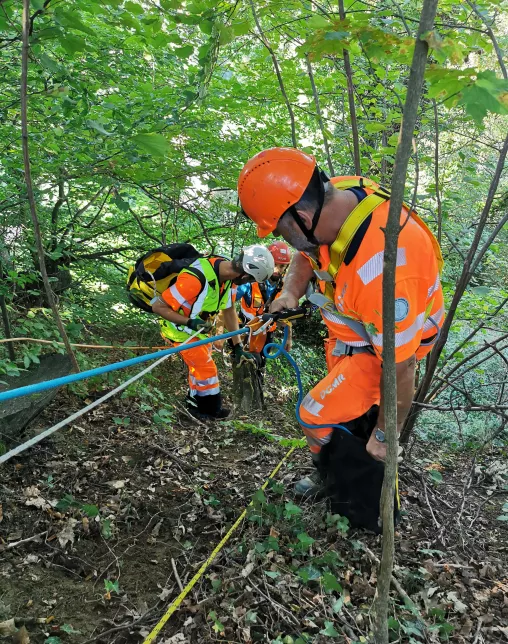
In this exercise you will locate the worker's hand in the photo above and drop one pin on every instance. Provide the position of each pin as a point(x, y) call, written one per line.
point(283, 302)
point(245, 356)
point(198, 324)
point(376, 448)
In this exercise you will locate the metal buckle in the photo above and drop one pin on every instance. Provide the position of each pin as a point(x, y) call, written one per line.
point(323, 276)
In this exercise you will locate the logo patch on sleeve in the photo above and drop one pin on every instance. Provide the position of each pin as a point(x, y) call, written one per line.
point(401, 309)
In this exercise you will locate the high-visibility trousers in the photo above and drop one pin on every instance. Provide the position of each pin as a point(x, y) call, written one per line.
point(351, 388)
point(203, 374)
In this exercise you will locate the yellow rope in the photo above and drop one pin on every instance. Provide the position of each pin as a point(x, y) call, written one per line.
point(175, 604)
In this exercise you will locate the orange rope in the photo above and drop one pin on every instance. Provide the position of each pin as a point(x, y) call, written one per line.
point(81, 346)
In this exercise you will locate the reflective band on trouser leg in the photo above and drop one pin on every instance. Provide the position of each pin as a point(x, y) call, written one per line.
point(203, 374)
point(346, 393)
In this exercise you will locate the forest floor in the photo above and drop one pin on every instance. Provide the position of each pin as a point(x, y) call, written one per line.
point(105, 521)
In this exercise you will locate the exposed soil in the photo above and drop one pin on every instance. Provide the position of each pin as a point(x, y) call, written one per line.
point(166, 493)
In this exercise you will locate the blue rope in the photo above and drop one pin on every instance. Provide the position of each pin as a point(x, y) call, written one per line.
point(115, 366)
point(279, 350)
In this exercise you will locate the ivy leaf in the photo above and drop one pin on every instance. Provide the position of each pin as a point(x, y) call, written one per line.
point(330, 583)
point(305, 541)
point(154, 144)
point(291, 510)
point(329, 630)
point(90, 510)
point(436, 476)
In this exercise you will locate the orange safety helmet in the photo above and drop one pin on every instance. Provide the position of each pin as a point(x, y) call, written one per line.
point(280, 252)
point(271, 182)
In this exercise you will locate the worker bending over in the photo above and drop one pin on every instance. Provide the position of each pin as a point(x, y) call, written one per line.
point(255, 298)
point(337, 225)
point(191, 303)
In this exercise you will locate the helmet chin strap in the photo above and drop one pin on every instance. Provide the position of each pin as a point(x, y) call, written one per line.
point(309, 234)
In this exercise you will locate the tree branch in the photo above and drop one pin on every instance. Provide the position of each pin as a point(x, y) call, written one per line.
point(319, 116)
point(351, 100)
point(497, 48)
point(265, 42)
point(462, 283)
point(29, 186)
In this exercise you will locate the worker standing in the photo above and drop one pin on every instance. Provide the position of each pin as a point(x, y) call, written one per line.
point(255, 298)
point(191, 303)
point(337, 225)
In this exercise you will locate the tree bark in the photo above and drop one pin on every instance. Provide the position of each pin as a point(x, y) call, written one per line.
point(470, 264)
point(392, 231)
point(436, 173)
point(29, 186)
point(247, 388)
point(351, 101)
point(319, 116)
point(278, 72)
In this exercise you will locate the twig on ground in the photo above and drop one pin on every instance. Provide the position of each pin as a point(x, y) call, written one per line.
point(35, 537)
point(397, 585)
point(187, 469)
point(177, 576)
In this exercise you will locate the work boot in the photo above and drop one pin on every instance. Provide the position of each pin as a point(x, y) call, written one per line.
point(207, 407)
point(311, 487)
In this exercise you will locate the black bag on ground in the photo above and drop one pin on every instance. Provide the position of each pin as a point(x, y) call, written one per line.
point(156, 270)
point(353, 479)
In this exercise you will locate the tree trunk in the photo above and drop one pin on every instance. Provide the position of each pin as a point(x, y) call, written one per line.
point(351, 100)
point(247, 388)
point(392, 231)
point(29, 186)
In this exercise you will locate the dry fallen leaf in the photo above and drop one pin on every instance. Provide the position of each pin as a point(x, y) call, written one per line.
point(21, 637)
point(66, 534)
point(8, 628)
point(248, 569)
point(117, 485)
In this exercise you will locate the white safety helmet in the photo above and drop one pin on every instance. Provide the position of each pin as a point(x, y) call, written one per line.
point(258, 262)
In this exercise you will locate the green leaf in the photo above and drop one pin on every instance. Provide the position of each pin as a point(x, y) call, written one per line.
point(502, 517)
point(65, 503)
point(318, 22)
point(206, 27)
point(336, 35)
point(98, 127)
point(481, 290)
point(49, 63)
point(337, 606)
point(134, 8)
point(112, 586)
point(330, 583)
point(184, 52)
point(436, 476)
point(90, 510)
point(154, 144)
point(374, 127)
point(309, 573)
point(241, 28)
point(329, 630)
point(291, 510)
point(305, 541)
point(52, 640)
point(106, 529)
point(273, 574)
point(68, 628)
point(72, 43)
